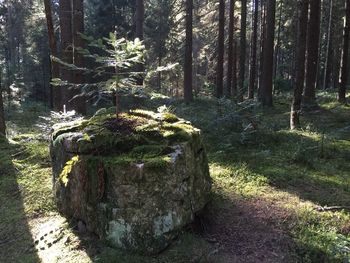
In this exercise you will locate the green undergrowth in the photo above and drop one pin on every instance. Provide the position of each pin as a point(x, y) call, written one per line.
point(252, 153)
point(270, 162)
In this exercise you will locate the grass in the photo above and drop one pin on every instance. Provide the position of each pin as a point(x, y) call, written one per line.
point(272, 176)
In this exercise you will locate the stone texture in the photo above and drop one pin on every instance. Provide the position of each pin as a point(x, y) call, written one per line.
point(136, 184)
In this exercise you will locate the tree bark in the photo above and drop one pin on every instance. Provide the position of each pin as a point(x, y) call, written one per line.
point(344, 62)
point(234, 69)
point(312, 52)
point(261, 48)
point(243, 49)
point(300, 64)
point(65, 15)
point(230, 58)
point(329, 51)
point(221, 51)
point(55, 70)
point(2, 113)
point(78, 103)
point(267, 78)
point(188, 89)
point(140, 16)
point(252, 78)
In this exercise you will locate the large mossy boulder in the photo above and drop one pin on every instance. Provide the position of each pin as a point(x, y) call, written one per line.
point(135, 181)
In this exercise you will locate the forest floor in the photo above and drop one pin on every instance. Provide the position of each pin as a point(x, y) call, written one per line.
point(272, 189)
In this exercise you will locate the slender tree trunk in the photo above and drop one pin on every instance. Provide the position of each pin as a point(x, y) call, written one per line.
point(312, 52)
point(243, 49)
point(252, 78)
point(278, 42)
point(344, 62)
point(230, 58)
point(300, 64)
point(65, 14)
point(2, 113)
point(267, 81)
point(221, 51)
point(78, 103)
point(55, 70)
point(188, 89)
point(140, 16)
point(261, 49)
point(234, 69)
point(329, 51)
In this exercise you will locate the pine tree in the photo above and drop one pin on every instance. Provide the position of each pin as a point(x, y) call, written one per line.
point(312, 52)
point(345, 56)
point(188, 90)
point(300, 64)
point(267, 74)
point(221, 51)
point(230, 58)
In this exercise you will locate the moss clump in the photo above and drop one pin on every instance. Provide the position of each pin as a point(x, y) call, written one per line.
point(136, 137)
point(169, 117)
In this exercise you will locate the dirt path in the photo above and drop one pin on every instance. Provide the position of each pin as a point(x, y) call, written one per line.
point(249, 231)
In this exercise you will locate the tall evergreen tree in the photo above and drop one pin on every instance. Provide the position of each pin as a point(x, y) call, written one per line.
point(243, 49)
point(312, 52)
point(230, 58)
point(221, 51)
point(300, 64)
point(55, 71)
point(267, 74)
point(188, 89)
point(345, 55)
point(252, 77)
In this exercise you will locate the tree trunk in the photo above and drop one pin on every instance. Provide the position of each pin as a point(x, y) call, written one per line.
point(312, 52)
point(278, 42)
point(78, 103)
point(252, 78)
point(65, 14)
point(344, 62)
point(329, 51)
point(55, 70)
point(234, 69)
point(267, 78)
point(188, 90)
point(230, 58)
point(2, 113)
point(261, 49)
point(140, 16)
point(221, 51)
point(243, 48)
point(300, 64)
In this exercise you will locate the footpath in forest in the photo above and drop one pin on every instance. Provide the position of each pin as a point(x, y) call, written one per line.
point(278, 195)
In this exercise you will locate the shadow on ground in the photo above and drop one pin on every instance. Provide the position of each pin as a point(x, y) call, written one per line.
point(16, 243)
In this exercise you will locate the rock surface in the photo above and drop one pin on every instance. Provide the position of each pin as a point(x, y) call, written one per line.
point(135, 181)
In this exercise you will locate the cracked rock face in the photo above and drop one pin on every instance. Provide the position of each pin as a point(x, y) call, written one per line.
point(136, 181)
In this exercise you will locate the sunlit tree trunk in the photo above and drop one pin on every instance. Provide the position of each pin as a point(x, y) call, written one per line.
point(65, 15)
point(55, 70)
point(344, 62)
point(140, 16)
point(329, 51)
point(188, 71)
point(300, 64)
point(78, 103)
